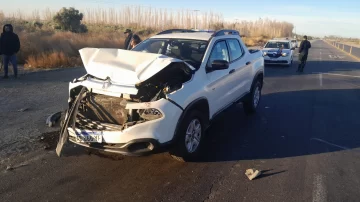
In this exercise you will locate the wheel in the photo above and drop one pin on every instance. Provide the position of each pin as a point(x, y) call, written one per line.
point(253, 100)
point(189, 137)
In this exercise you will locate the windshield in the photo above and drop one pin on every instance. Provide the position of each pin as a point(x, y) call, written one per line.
point(188, 50)
point(277, 44)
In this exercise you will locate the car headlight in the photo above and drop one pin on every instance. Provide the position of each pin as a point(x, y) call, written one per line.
point(265, 53)
point(150, 114)
point(284, 54)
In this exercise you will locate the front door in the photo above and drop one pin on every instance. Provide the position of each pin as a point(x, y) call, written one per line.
point(218, 82)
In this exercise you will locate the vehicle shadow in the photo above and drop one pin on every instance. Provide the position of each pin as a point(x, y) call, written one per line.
point(288, 124)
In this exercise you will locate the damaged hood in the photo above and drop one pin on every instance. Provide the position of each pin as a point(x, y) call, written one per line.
point(123, 66)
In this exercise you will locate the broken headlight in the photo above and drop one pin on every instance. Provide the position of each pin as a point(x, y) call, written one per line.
point(150, 114)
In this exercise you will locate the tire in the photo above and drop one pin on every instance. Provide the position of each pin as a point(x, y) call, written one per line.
point(183, 150)
point(250, 106)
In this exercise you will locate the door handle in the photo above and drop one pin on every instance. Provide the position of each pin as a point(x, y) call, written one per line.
point(232, 71)
point(248, 63)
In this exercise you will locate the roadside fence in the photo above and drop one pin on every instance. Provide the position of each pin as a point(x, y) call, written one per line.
point(351, 50)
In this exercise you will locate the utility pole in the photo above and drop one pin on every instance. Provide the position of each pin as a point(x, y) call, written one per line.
point(196, 18)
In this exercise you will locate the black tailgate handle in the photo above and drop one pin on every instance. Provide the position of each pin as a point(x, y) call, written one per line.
point(232, 71)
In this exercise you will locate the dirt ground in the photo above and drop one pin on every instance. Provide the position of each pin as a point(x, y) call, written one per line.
point(25, 103)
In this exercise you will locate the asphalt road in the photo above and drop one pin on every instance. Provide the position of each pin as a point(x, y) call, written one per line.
point(305, 138)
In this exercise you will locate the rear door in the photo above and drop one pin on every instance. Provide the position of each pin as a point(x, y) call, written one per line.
point(240, 69)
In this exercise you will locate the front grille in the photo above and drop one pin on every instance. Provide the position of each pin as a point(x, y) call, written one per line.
point(273, 55)
point(83, 123)
point(104, 109)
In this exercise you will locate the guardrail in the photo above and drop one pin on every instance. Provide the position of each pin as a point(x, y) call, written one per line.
point(351, 50)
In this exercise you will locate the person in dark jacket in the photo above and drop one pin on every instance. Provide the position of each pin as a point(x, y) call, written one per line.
point(129, 36)
point(9, 47)
point(305, 45)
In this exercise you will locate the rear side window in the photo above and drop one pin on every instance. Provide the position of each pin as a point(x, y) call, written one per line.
point(236, 51)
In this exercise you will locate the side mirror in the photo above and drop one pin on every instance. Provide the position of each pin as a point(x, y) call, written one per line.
point(218, 65)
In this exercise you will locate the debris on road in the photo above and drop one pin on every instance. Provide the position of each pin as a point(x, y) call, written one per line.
point(47, 147)
point(53, 118)
point(23, 109)
point(252, 174)
point(49, 140)
point(9, 167)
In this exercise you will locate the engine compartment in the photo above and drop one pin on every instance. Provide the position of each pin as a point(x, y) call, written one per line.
point(98, 111)
point(164, 82)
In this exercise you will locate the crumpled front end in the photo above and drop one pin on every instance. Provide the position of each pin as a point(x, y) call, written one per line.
point(124, 119)
point(118, 125)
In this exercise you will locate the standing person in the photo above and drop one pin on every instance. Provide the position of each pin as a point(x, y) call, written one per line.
point(9, 47)
point(303, 53)
point(135, 41)
point(128, 33)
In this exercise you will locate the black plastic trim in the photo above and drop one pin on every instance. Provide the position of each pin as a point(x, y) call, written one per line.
point(187, 109)
point(170, 31)
point(170, 100)
point(223, 31)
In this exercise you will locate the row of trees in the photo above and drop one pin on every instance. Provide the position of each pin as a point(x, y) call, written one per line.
point(71, 19)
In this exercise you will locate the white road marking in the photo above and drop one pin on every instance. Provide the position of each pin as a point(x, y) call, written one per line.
point(320, 78)
point(336, 56)
point(319, 192)
point(326, 142)
point(342, 75)
point(320, 56)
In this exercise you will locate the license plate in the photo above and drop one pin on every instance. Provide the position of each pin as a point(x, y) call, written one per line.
point(85, 136)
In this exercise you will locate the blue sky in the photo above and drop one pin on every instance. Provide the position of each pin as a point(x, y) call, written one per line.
point(312, 17)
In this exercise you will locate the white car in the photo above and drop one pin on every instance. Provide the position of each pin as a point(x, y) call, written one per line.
point(280, 52)
point(164, 92)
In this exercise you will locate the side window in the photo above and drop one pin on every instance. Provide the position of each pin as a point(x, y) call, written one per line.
point(236, 51)
point(219, 52)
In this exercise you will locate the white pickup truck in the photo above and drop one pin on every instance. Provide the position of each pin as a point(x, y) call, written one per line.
point(164, 93)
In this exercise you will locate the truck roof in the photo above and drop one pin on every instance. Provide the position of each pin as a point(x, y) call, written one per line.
point(192, 35)
point(204, 35)
point(279, 40)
